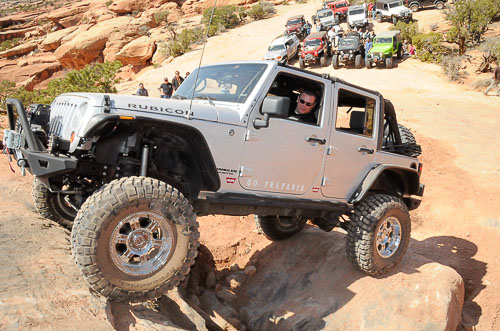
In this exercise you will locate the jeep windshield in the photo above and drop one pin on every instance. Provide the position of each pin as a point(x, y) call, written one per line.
point(225, 82)
point(341, 5)
point(395, 4)
point(293, 22)
point(382, 41)
point(274, 48)
point(325, 14)
point(313, 42)
point(356, 12)
point(348, 42)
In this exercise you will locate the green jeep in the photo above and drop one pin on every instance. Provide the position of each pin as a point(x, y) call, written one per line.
point(385, 45)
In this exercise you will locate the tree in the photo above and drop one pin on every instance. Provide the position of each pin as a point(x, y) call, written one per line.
point(469, 20)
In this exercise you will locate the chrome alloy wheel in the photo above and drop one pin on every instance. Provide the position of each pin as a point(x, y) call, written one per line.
point(388, 237)
point(142, 243)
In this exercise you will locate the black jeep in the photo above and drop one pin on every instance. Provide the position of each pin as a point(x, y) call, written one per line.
point(416, 5)
point(351, 48)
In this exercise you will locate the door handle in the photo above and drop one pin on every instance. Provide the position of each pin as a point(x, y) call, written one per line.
point(316, 140)
point(365, 150)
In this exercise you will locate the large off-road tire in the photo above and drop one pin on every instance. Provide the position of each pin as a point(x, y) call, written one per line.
point(302, 65)
point(322, 60)
point(399, 54)
point(135, 239)
point(52, 205)
point(378, 234)
point(388, 62)
point(414, 8)
point(407, 136)
point(335, 61)
point(279, 227)
point(379, 18)
point(439, 5)
point(394, 20)
point(358, 61)
point(368, 63)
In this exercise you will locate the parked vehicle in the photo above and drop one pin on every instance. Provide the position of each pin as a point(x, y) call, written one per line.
point(385, 46)
point(339, 7)
point(316, 47)
point(325, 18)
point(283, 48)
point(357, 16)
point(392, 9)
point(139, 170)
point(416, 5)
point(295, 25)
point(350, 49)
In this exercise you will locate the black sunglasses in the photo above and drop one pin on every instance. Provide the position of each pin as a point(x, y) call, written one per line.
point(308, 104)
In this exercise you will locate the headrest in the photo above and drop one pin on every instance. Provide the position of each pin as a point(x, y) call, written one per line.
point(357, 120)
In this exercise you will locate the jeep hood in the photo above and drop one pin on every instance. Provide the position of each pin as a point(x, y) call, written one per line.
point(381, 48)
point(293, 27)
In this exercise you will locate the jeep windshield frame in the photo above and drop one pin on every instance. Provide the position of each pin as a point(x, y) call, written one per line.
point(312, 42)
point(385, 40)
point(325, 13)
point(274, 48)
point(395, 4)
point(341, 5)
point(224, 82)
point(349, 42)
point(294, 21)
point(358, 11)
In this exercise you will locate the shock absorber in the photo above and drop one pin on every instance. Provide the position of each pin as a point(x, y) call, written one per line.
point(144, 160)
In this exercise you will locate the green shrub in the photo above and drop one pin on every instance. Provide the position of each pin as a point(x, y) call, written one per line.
point(451, 66)
point(408, 30)
point(256, 12)
point(161, 16)
point(481, 83)
point(183, 41)
point(469, 20)
point(108, 3)
point(268, 7)
point(429, 47)
point(224, 15)
point(491, 46)
point(8, 44)
point(97, 78)
point(7, 89)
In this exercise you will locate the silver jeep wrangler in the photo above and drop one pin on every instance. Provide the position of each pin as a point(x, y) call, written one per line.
point(133, 173)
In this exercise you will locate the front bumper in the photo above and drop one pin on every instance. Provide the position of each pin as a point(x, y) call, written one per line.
point(27, 149)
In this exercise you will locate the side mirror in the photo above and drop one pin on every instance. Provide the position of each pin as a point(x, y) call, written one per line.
point(274, 106)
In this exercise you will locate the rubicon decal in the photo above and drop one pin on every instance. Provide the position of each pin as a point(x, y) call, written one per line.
point(315, 189)
point(230, 180)
point(159, 109)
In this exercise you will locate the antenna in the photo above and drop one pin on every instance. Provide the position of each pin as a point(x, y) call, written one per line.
point(188, 115)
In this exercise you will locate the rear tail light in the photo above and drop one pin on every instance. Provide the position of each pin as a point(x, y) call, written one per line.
point(420, 168)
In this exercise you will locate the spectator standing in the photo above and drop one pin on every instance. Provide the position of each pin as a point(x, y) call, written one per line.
point(495, 81)
point(308, 27)
point(368, 46)
point(142, 91)
point(166, 89)
point(370, 10)
point(187, 74)
point(177, 80)
point(332, 36)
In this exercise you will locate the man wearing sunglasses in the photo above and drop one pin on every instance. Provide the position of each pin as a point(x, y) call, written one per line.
point(305, 106)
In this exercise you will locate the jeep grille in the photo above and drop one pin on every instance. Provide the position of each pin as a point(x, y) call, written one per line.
point(59, 111)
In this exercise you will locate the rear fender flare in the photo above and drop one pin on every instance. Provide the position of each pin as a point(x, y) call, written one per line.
point(407, 179)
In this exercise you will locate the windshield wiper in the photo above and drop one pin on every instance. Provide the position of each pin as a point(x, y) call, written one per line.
point(205, 97)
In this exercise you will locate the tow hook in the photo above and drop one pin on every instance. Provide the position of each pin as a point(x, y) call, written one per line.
point(22, 164)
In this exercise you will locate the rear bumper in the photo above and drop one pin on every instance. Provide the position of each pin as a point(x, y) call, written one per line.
point(414, 201)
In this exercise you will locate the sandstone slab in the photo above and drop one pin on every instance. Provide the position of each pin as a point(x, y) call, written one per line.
point(137, 52)
point(22, 49)
point(53, 40)
point(87, 46)
point(306, 283)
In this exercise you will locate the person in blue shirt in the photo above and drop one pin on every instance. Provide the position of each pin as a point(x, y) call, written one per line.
point(142, 91)
point(368, 46)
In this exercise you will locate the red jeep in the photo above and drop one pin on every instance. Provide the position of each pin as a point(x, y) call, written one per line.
point(339, 7)
point(316, 46)
point(295, 24)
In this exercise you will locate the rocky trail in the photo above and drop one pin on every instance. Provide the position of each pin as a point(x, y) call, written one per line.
point(305, 282)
